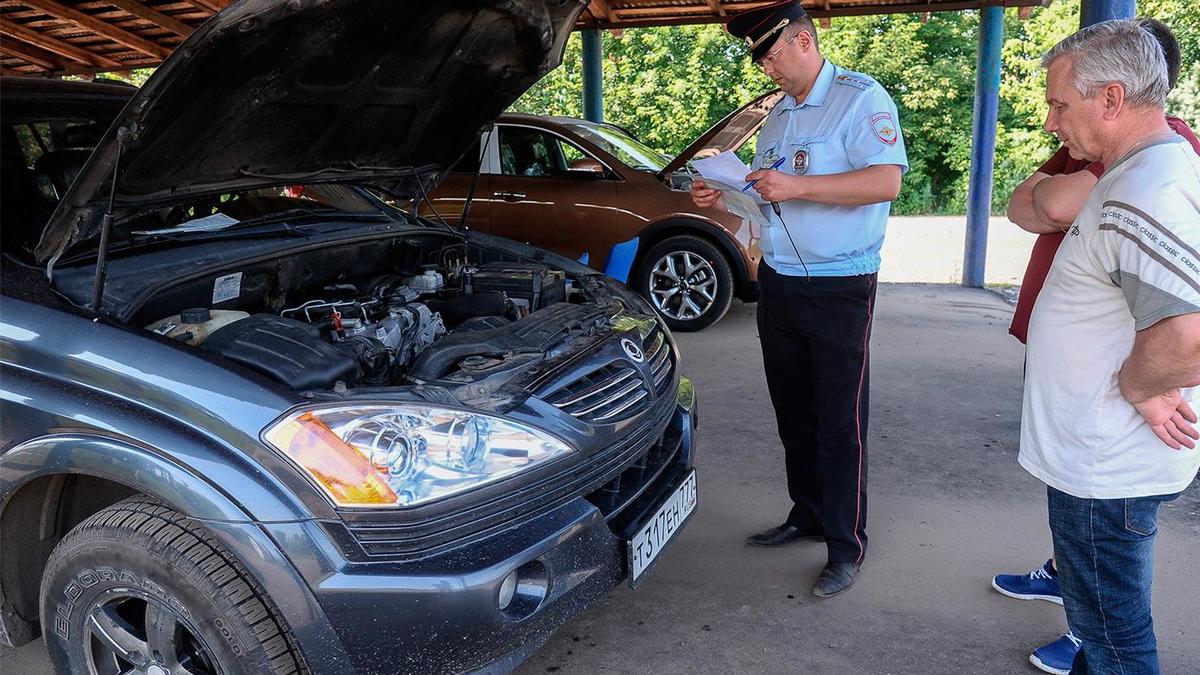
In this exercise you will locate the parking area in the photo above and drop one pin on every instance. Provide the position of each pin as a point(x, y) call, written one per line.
point(949, 507)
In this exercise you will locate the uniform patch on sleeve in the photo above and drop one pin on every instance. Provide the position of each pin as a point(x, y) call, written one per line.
point(853, 81)
point(885, 127)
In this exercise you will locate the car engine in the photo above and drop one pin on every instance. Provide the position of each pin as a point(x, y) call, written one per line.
point(382, 331)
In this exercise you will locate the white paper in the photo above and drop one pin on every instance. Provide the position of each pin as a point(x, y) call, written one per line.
point(228, 287)
point(213, 223)
point(728, 170)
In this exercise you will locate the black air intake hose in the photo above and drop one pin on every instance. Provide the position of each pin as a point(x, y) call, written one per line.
point(459, 309)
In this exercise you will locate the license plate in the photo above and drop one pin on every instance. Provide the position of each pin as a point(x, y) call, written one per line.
point(662, 526)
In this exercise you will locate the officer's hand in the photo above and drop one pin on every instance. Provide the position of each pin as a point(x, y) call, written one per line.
point(773, 186)
point(706, 197)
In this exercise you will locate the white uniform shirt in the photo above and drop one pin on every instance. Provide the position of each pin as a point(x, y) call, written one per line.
point(846, 122)
point(1129, 260)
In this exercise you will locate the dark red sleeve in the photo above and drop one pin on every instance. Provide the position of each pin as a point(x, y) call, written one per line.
point(1180, 127)
point(1040, 259)
point(1057, 162)
point(1095, 168)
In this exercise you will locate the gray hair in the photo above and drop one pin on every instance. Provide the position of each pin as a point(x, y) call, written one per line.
point(1116, 52)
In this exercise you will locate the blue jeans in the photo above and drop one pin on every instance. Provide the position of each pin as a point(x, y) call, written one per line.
point(1104, 549)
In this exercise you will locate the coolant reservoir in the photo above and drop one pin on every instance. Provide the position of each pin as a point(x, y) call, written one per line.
point(427, 282)
point(199, 322)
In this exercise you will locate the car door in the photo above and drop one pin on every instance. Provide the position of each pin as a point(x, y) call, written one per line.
point(549, 192)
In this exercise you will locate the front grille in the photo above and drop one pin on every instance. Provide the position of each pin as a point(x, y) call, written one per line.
point(658, 352)
point(606, 394)
point(618, 390)
point(627, 486)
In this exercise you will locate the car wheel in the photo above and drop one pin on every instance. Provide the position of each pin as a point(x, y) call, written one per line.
point(138, 588)
point(688, 281)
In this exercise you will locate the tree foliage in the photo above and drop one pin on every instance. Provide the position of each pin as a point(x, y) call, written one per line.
point(667, 85)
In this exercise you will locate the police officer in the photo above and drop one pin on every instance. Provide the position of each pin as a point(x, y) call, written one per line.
point(828, 164)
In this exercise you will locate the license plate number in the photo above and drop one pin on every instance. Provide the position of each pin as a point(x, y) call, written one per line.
point(661, 527)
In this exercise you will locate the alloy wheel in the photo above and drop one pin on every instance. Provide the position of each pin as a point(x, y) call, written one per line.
point(132, 634)
point(683, 285)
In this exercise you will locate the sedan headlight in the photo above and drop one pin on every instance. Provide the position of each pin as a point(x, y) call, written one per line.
point(402, 455)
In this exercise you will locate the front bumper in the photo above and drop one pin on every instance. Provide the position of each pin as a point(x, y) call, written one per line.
point(442, 614)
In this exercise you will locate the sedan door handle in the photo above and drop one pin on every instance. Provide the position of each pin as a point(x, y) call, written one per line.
point(509, 196)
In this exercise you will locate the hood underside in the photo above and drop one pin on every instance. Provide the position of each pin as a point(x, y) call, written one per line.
point(729, 134)
point(271, 92)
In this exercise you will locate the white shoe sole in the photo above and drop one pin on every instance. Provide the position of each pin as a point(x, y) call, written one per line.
point(1045, 668)
point(1019, 596)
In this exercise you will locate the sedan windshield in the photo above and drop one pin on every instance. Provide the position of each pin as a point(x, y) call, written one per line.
point(616, 142)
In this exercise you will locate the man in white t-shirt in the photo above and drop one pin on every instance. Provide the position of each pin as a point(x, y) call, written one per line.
point(1114, 342)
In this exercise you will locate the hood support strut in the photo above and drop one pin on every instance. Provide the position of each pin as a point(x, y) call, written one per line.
point(483, 148)
point(106, 225)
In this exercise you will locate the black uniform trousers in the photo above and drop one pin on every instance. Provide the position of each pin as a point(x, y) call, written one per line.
point(815, 334)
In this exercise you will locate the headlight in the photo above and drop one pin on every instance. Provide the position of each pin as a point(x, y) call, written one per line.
point(402, 455)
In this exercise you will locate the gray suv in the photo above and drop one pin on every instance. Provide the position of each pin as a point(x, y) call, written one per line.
point(256, 418)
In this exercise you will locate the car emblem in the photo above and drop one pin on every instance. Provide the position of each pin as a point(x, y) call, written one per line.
point(800, 162)
point(632, 350)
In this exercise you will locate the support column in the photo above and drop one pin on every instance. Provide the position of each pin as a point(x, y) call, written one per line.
point(983, 143)
point(1095, 11)
point(593, 75)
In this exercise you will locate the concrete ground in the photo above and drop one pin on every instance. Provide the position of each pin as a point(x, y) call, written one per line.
point(949, 507)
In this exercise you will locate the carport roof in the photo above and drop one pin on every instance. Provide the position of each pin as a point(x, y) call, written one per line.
point(75, 37)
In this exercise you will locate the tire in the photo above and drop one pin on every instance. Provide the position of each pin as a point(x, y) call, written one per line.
point(140, 580)
point(661, 280)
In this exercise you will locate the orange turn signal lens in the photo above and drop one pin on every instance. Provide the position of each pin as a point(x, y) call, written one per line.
point(344, 473)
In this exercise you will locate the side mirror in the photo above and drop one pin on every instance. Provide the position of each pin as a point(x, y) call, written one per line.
point(586, 165)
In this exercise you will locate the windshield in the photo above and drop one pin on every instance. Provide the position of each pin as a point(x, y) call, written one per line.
point(621, 145)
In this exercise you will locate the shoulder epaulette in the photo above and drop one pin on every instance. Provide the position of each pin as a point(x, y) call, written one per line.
point(854, 80)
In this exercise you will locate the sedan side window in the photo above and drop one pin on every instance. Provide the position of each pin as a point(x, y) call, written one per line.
point(530, 152)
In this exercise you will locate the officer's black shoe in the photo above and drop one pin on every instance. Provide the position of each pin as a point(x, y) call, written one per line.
point(837, 577)
point(784, 534)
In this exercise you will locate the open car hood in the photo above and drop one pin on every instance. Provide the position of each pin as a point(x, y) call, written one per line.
point(730, 133)
point(271, 92)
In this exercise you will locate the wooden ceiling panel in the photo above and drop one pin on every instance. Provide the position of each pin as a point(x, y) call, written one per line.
point(60, 37)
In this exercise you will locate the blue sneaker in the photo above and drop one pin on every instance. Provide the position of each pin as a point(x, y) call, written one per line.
point(1057, 656)
point(1040, 584)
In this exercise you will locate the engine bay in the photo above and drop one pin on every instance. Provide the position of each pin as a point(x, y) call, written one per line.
point(468, 316)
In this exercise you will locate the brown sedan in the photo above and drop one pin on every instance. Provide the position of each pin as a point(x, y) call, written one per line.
point(593, 192)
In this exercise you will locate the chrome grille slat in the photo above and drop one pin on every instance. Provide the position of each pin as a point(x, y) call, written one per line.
point(620, 388)
point(611, 398)
point(641, 394)
point(596, 388)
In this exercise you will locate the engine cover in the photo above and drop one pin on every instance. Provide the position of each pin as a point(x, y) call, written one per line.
point(286, 350)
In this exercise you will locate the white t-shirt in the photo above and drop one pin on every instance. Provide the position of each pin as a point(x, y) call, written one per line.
point(1128, 261)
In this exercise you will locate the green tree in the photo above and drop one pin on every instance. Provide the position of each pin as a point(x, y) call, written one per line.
point(667, 85)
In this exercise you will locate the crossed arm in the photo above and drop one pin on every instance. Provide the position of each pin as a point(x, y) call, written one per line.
point(1165, 359)
point(1043, 204)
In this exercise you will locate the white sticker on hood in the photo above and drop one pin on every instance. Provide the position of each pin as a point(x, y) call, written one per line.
point(228, 287)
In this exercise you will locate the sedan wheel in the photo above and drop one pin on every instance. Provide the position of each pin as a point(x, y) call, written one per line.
point(683, 286)
point(688, 281)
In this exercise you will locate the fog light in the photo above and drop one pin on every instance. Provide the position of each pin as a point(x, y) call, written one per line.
point(508, 589)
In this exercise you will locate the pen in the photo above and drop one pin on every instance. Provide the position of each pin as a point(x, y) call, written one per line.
point(778, 163)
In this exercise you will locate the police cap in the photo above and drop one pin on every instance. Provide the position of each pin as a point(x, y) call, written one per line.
point(760, 27)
